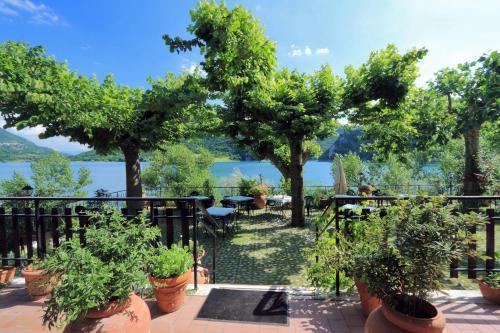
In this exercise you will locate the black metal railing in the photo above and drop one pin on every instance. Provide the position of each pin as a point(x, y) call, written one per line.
point(488, 205)
point(30, 225)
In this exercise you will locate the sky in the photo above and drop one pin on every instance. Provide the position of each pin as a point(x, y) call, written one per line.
point(123, 37)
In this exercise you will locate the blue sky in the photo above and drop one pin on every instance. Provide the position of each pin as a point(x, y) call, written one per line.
point(124, 37)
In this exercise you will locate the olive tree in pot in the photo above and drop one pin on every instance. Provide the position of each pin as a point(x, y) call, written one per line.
point(97, 283)
point(405, 270)
point(169, 272)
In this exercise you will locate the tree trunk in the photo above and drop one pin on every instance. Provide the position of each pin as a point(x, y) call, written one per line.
point(133, 177)
point(472, 171)
point(297, 183)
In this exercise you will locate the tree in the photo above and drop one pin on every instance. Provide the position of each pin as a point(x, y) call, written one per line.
point(354, 168)
point(473, 94)
point(280, 113)
point(177, 170)
point(53, 177)
point(36, 89)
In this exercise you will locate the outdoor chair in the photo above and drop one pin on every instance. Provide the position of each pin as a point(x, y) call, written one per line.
point(308, 203)
point(227, 204)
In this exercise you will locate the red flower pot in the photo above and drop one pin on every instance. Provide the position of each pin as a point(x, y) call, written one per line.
point(488, 292)
point(39, 283)
point(368, 301)
point(169, 293)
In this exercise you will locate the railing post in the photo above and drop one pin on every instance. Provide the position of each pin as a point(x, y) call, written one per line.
point(29, 232)
point(68, 221)
point(337, 240)
point(471, 260)
point(195, 240)
point(3, 237)
point(15, 236)
point(55, 227)
point(490, 240)
point(37, 228)
point(169, 226)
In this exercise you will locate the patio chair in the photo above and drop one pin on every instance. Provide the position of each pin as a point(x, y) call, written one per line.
point(194, 193)
point(227, 204)
point(308, 203)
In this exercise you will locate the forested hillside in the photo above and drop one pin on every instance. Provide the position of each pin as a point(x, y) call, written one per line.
point(16, 148)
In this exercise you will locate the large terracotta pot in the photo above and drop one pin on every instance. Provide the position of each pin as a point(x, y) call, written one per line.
point(135, 317)
point(387, 320)
point(203, 276)
point(260, 201)
point(368, 301)
point(488, 292)
point(7, 274)
point(109, 310)
point(39, 283)
point(169, 293)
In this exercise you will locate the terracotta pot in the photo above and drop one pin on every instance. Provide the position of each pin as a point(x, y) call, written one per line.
point(203, 276)
point(7, 274)
point(387, 320)
point(260, 201)
point(108, 310)
point(134, 318)
point(488, 292)
point(169, 293)
point(368, 301)
point(200, 256)
point(39, 283)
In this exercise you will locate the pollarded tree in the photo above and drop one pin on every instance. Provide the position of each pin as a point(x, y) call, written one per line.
point(279, 114)
point(36, 89)
point(473, 94)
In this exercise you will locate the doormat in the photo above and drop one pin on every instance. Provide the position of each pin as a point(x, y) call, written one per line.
point(252, 306)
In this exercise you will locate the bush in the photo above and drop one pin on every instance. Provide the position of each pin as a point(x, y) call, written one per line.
point(108, 268)
point(165, 263)
point(424, 237)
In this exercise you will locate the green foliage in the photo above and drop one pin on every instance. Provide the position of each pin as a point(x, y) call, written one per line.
point(392, 175)
point(176, 170)
point(423, 239)
point(245, 185)
point(104, 116)
point(13, 187)
point(53, 176)
point(356, 172)
point(165, 263)
point(492, 279)
point(108, 268)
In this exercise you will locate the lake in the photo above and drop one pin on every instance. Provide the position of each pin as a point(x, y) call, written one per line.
point(111, 175)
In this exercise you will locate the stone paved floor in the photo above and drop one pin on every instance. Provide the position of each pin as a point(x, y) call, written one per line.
point(264, 250)
point(19, 314)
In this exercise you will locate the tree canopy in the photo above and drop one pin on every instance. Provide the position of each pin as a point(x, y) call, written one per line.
point(36, 89)
point(278, 113)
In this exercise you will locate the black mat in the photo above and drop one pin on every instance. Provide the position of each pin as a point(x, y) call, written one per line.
point(246, 306)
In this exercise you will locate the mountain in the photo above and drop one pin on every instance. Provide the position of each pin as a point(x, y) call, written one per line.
point(16, 148)
point(347, 140)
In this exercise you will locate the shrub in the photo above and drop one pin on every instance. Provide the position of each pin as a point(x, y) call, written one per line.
point(108, 268)
point(165, 263)
point(423, 239)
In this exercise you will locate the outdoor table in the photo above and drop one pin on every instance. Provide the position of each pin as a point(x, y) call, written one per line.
point(281, 200)
point(202, 198)
point(352, 207)
point(238, 199)
point(223, 213)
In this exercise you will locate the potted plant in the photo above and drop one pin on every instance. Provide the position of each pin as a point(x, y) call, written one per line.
point(259, 192)
point(7, 274)
point(38, 280)
point(490, 287)
point(347, 255)
point(98, 281)
point(169, 272)
point(406, 268)
point(245, 186)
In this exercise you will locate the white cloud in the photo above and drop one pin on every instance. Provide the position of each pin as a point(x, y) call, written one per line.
point(295, 53)
point(307, 51)
point(38, 13)
point(85, 47)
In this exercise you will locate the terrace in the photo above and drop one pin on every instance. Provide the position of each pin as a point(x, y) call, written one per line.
point(263, 253)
